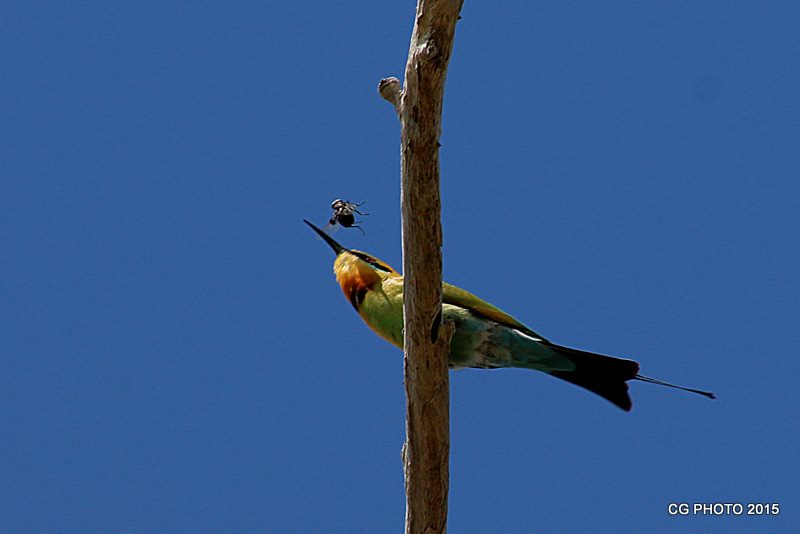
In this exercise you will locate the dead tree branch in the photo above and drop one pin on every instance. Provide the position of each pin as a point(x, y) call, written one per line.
point(426, 339)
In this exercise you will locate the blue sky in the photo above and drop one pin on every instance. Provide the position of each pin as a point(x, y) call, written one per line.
point(176, 356)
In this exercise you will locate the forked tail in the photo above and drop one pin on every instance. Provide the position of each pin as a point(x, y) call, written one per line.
point(603, 375)
point(607, 376)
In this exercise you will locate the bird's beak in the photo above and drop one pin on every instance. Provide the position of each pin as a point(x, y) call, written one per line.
point(337, 248)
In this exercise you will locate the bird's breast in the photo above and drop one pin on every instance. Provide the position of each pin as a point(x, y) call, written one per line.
point(382, 310)
point(356, 282)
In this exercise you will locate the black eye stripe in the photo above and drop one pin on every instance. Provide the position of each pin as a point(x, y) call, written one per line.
point(372, 261)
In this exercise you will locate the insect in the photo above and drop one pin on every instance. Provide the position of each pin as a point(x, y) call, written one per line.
point(343, 215)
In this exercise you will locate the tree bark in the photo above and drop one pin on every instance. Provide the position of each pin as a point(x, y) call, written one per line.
point(426, 340)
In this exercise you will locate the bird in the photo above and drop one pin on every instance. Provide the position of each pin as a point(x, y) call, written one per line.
point(485, 336)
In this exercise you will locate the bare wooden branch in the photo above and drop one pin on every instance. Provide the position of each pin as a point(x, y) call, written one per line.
point(426, 345)
point(389, 88)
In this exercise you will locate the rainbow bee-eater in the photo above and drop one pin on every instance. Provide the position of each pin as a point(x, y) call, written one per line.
point(485, 336)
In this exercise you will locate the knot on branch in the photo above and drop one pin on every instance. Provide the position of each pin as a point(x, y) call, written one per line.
point(389, 89)
point(428, 49)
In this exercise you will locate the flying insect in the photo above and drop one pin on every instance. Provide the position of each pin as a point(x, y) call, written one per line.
point(343, 215)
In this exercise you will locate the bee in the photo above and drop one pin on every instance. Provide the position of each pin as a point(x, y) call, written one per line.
point(343, 215)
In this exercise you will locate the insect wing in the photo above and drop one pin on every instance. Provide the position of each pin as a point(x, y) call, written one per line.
point(332, 227)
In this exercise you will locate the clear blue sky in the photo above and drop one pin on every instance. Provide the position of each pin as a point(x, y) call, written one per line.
point(175, 353)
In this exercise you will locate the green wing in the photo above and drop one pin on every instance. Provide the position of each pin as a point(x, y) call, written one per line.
point(464, 299)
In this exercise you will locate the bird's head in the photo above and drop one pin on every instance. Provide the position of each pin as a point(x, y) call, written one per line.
point(356, 271)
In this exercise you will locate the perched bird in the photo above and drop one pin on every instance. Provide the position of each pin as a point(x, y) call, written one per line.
point(485, 336)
